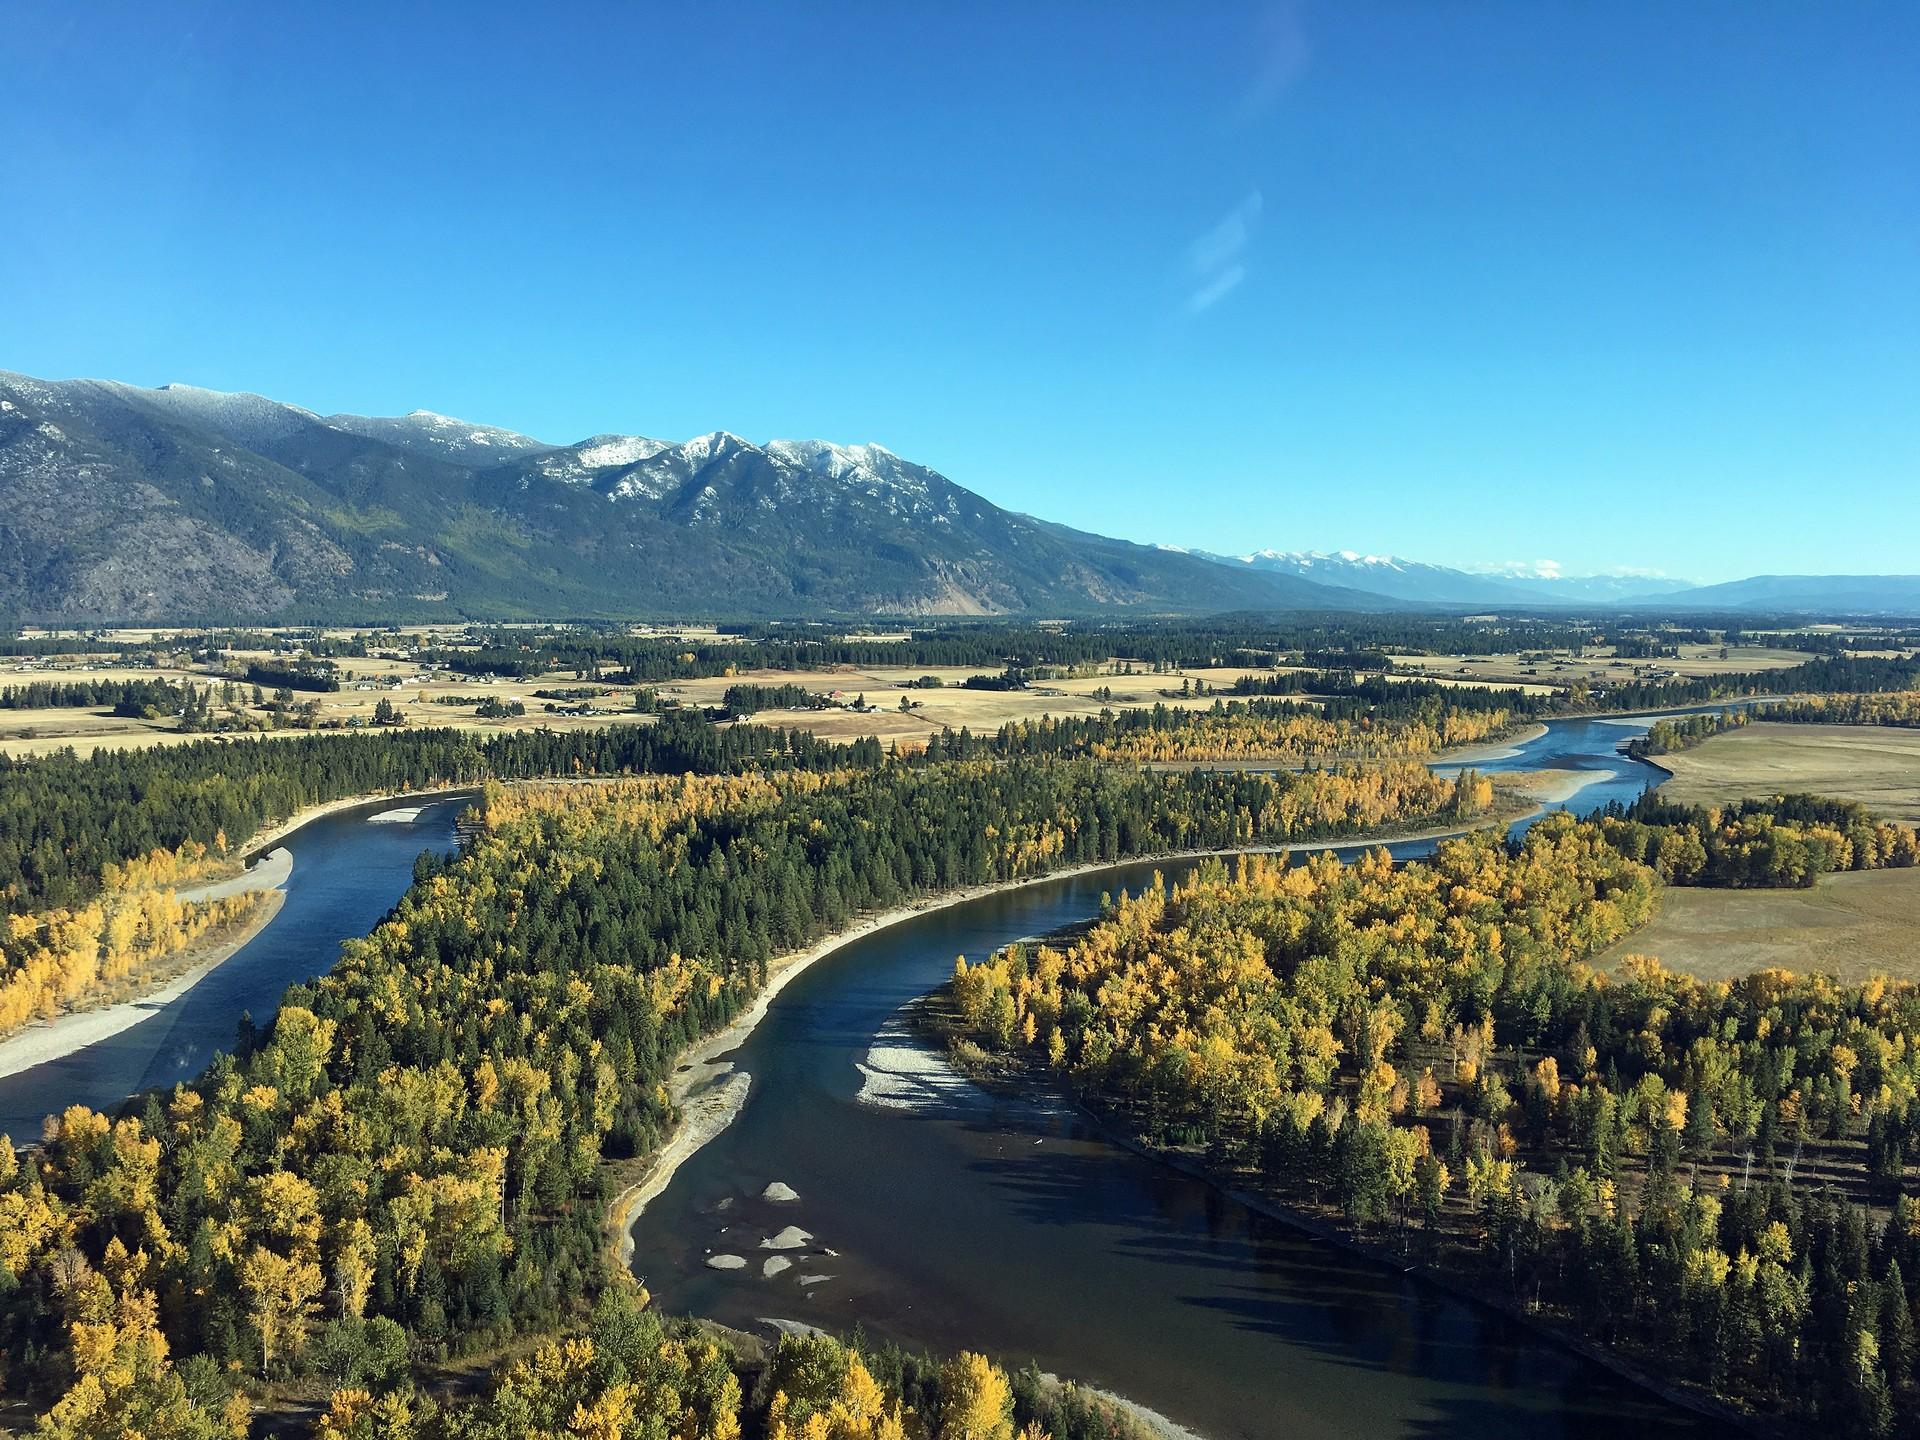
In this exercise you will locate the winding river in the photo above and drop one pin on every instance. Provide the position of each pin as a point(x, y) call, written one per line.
point(942, 1217)
point(348, 870)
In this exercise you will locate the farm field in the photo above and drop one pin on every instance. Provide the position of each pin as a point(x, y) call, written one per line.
point(1561, 668)
point(418, 696)
point(425, 698)
point(1873, 764)
point(1853, 926)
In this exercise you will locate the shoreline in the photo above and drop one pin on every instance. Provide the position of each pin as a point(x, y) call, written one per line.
point(45, 1041)
point(1674, 1392)
point(269, 872)
point(1473, 754)
point(928, 1021)
point(710, 1092)
point(269, 836)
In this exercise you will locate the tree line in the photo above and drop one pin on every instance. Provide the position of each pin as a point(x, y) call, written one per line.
point(1256, 640)
point(1774, 842)
point(137, 698)
point(63, 819)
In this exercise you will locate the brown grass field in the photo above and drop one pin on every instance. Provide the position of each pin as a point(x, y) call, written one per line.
point(1876, 765)
point(36, 732)
point(1852, 926)
point(1596, 665)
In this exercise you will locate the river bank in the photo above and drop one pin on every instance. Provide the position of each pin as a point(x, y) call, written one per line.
point(271, 835)
point(1452, 1281)
point(270, 872)
point(75, 1030)
point(1499, 749)
point(710, 1092)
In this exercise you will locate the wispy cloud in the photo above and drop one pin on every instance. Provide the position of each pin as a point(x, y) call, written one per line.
point(1216, 289)
point(1224, 242)
point(1520, 569)
point(1215, 266)
point(1280, 54)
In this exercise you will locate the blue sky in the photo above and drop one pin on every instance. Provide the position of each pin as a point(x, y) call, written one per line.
point(1614, 285)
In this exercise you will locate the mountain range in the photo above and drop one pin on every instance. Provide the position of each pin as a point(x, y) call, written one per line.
point(177, 504)
point(1416, 581)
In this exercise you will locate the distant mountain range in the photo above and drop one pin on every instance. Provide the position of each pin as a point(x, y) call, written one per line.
point(1415, 582)
point(173, 505)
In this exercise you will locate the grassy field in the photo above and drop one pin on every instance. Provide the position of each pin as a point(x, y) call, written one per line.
point(35, 732)
point(1597, 665)
point(1878, 766)
point(1853, 926)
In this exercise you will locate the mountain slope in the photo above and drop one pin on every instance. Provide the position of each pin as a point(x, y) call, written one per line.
point(1825, 594)
point(119, 503)
point(441, 436)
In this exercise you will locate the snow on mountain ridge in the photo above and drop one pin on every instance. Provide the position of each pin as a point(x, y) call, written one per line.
point(601, 451)
point(446, 437)
point(1319, 557)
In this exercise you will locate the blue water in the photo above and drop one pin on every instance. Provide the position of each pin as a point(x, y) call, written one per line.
point(347, 873)
point(974, 1220)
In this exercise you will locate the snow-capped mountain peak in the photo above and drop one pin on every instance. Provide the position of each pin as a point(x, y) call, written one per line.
point(716, 444)
point(1306, 559)
point(870, 466)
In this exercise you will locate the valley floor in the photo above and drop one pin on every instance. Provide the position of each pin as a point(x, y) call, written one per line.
point(1852, 926)
point(1879, 766)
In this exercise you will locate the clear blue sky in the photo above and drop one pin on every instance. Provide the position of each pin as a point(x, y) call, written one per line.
point(1612, 284)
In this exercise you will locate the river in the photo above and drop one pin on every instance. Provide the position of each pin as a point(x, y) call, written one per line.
point(944, 1217)
point(348, 871)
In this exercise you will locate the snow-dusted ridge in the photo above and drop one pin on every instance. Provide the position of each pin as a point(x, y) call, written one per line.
point(444, 436)
point(1308, 558)
point(606, 450)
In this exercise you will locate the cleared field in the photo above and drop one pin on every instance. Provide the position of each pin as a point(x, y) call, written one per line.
point(1853, 926)
point(1876, 765)
point(425, 696)
point(1598, 665)
point(422, 698)
point(981, 711)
